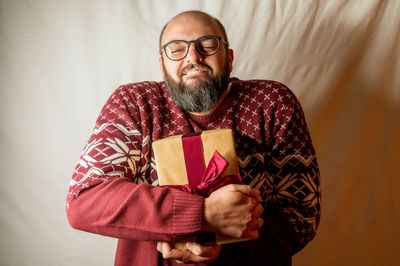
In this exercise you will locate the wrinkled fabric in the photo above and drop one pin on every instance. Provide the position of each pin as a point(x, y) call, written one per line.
point(60, 60)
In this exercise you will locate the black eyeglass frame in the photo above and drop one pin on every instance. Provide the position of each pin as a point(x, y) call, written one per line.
point(163, 47)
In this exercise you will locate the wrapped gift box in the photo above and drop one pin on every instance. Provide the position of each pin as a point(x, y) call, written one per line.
point(170, 157)
point(182, 159)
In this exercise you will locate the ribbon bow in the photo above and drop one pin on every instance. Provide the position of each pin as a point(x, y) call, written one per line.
point(212, 178)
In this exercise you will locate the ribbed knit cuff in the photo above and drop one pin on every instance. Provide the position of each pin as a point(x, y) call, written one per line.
point(187, 213)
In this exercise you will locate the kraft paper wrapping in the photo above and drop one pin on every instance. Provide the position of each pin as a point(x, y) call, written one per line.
point(171, 168)
point(170, 159)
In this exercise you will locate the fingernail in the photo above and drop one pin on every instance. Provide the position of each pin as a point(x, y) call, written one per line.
point(193, 248)
point(189, 245)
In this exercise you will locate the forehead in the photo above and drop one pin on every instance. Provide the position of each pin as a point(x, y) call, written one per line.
point(190, 27)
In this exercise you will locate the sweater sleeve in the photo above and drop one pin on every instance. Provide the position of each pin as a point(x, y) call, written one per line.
point(110, 194)
point(292, 208)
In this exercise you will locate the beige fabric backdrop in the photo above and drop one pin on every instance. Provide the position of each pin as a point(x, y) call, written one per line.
point(60, 60)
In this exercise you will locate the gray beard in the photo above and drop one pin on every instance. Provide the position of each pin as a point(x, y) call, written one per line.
point(197, 99)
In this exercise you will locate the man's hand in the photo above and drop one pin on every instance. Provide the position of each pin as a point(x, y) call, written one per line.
point(195, 253)
point(234, 211)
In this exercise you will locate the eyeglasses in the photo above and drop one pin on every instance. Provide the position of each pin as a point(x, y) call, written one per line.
point(206, 45)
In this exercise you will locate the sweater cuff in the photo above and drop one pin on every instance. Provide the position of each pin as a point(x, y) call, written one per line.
point(187, 213)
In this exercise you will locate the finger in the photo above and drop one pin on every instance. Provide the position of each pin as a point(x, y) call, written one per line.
point(164, 248)
point(194, 247)
point(258, 210)
point(246, 189)
point(255, 224)
point(260, 222)
point(259, 198)
point(203, 251)
point(175, 254)
point(255, 207)
point(251, 234)
point(203, 254)
point(187, 256)
point(179, 255)
point(253, 202)
point(253, 228)
point(184, 256)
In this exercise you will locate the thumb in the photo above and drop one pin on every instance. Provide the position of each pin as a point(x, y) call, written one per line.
point(194, 247)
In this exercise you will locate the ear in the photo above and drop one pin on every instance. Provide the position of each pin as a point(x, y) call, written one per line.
point(230, 59)
point(160, 62)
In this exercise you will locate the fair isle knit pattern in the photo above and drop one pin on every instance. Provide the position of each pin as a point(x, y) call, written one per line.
point(274, 147)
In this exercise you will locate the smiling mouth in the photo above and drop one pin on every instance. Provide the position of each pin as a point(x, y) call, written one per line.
point(195, 72)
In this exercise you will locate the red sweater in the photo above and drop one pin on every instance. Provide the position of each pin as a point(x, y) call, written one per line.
point(114, 190)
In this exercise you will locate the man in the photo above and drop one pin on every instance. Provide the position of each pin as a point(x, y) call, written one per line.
point(114, 190)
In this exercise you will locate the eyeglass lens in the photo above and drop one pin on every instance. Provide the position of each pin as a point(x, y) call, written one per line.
point(207, 45)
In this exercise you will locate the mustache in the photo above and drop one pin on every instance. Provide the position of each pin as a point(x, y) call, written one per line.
point(200, 66)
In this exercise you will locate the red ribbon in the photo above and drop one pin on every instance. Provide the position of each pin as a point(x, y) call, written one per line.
point(211, 178)
point(203, 181)
point(194, 158)
point(211, 181)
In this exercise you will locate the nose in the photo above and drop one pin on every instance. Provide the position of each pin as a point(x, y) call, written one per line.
point(193, 55)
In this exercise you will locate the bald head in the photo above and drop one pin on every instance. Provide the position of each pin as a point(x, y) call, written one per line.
point(195, 19)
